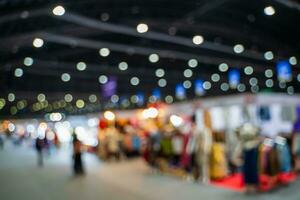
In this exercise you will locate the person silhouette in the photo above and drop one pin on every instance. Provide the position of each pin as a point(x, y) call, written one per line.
point(77, 159)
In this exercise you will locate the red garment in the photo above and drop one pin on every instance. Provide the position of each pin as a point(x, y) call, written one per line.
point(185, 157)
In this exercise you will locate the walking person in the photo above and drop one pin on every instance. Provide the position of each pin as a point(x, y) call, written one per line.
point(1, 141)
point(77, 165)
point(39, 145)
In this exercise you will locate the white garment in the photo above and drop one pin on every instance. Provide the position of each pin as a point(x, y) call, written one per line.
point(276, 125)
point(177, 144)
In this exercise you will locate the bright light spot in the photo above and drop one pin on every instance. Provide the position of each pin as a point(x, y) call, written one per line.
point(92, 122)
point(241, 87)
point(114, 98)
point(92, 98)
point(55, 117)
point(30, 128)
point(293, 60)
point(187, 84)
point(109, 115)
point(169, 99)
point(298, 77)
point(59, 11)
point(21, 104)
point(290, 90)
point(153, 58)
point(63, 131)
point(80, 103)
point(68, 98)
point(41, 97)
point(50, 135)
point(269, 83)
point(269, 10)
point(65, 77)
point(142, 28)
point(81, 66)
point(269, 55)
point(13, 110)
point(38, 42)
point(224, 87)
point(104, 52)
point(160, 72)
point(18, 72)
point(282, 84)
point(162, 82)
point(198, 39)
point(150, 113)
point(188, 73)
point(215, 77)
point(2, 103)
point(123, 66)
point(11, 97)
point(134, 99)
point(253, 81)
point(176, 120)
point(43, 126)
point(223, 67)
point(238, 48)
point(269, 73)
point(134, 81)
point(193, 63)
point(28, 61)
point(11, 127)
point(206, 85)
point(152, 99)
point(254, 89)
point(248, 70)
point(102, 79)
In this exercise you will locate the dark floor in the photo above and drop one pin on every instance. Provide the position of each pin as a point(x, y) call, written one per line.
point(20, 178)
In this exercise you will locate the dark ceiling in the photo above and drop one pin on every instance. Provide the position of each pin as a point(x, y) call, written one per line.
point(89, 25)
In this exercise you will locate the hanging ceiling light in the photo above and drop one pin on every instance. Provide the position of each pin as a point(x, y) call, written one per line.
point(269, 10)
point(198, 39)
point(38, 42)
point(59, 10)
point(142, 28)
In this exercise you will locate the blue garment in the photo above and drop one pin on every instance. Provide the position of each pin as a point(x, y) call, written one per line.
point(136, 143)
point(250, 167)
point(284, 157)
point(264, 113)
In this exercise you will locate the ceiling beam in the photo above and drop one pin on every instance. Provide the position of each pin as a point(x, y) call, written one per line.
point(131, 49)
point(289, 4)
point(121, 29)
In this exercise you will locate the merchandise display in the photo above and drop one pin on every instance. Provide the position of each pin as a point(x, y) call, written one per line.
point(163, 99)
point(227, 141)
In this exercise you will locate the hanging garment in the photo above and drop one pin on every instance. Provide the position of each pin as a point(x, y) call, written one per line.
point(284, 157)
point(288, 113)
point(273, 167)
point(155, 141)
point(166, 147)
point(177, 144)
point(127, 143)
point(246, 114)
point(186, 157)
point(218, 161)
point(250, 166)
point(296, 146)
point(136, 143)
point(264, 113)
point(297, 123)
point(112, 138)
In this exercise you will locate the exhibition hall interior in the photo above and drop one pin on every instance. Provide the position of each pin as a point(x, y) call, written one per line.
point(149, 99)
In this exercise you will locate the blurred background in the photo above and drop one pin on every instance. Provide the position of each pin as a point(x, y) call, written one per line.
point(143, 99)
